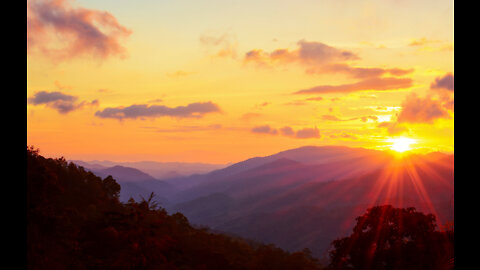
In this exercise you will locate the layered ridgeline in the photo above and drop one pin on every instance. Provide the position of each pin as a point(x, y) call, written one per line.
point(305, 197)
point(76, 221)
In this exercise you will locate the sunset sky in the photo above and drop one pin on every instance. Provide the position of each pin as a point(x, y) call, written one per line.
point(222, 81)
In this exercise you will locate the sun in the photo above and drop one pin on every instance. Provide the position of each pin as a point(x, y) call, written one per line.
point(401, 144)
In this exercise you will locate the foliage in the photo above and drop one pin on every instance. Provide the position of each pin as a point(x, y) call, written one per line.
point(394, 238)
point(76, 221)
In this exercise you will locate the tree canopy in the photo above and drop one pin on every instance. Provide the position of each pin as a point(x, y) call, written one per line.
point(394, 238)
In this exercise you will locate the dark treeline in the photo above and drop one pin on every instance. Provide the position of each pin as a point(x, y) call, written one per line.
point(394, 238)
point(76, 221)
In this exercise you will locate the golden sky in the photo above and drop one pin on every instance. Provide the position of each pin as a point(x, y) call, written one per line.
point(222, 81)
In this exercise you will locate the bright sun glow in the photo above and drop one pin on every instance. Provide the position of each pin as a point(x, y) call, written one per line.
point(401, 144)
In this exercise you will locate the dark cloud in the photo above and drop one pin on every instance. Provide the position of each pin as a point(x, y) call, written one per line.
point(181, 129)
point(44, 97)
point(373, 84)
point(307, 133)
point(304, 133)
point(81, 31)
point(445, 82)
point(59, 101)
point(264, 129)
point(287, 131)
point(193, 110)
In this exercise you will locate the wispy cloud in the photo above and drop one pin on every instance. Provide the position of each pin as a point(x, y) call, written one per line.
point(329, 117)
point(57, 29)
point(358, 72)
point(224, 45)
point(374, 84)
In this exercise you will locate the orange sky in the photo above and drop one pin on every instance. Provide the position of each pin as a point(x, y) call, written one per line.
point(218, 82)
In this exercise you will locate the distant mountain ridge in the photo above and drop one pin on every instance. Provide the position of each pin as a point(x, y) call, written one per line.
point(263, 197)
point(158, 170)
point(302, 197)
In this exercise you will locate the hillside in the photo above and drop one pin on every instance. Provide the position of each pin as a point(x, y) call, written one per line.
point(76, 221)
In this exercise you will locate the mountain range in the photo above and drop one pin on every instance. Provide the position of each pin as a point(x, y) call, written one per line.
point(303, 197)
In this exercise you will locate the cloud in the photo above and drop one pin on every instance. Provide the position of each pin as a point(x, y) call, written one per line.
point(59, 101)
point(262, 105)
point(224, 45)
point(60, 31)
point(193, 110)
point(445, 82)
point(44, 97)
point(334, 118)
point(250, 115)
point(343, 135)
point(328, 117)
point(179, 73)
point(287, 131)
point(393, 128)
point(422, 110)
point(181, 129)
point(374, 84)
point(317, 52)
point(358, 72)
point(296, 103)
point(304, 133)
point(315, 98)
point(307, 133)
point(266, 129)
point(421, 42)
point(307, 53)
point(319, 58)
point(369, 117)
point(431, 45)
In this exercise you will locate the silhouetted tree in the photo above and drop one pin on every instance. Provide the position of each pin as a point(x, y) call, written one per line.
point(393, 238)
